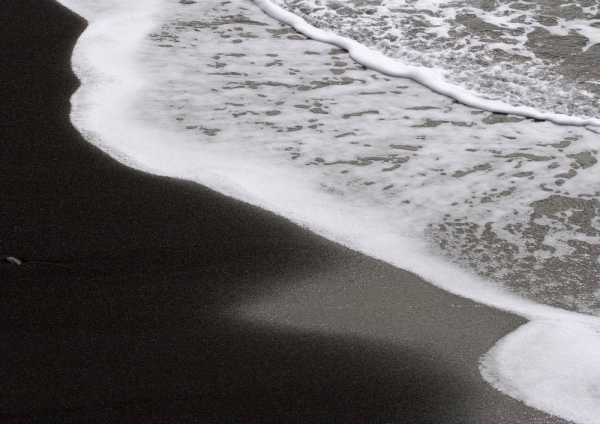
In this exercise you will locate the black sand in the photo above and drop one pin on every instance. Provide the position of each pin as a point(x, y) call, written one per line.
point(119, 310)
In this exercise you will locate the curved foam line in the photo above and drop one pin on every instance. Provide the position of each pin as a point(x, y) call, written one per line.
point(430, 78)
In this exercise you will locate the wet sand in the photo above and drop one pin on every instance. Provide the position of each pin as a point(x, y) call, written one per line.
point(124, 308)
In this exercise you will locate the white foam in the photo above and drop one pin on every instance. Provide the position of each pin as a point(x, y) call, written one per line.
point(114, 109)
point(569, 353)
point(453, 37)
point(103, 61)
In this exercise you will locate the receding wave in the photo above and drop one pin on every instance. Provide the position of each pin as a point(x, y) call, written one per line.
point(535, 54)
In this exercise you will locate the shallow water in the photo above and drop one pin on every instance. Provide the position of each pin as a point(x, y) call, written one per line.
point(539, 53)
point(483, 204)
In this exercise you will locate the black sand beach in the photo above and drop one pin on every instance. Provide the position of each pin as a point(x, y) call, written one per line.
point(120, 309)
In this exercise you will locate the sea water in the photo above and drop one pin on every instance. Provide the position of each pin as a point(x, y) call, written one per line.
point(479, 191)
point(542, 54)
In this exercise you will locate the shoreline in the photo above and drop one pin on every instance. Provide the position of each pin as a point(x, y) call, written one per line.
point(120, 310)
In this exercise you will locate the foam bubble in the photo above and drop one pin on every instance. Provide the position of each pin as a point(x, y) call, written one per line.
point(544, 363)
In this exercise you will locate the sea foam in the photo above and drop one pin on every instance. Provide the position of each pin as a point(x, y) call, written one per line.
point(530, 55)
